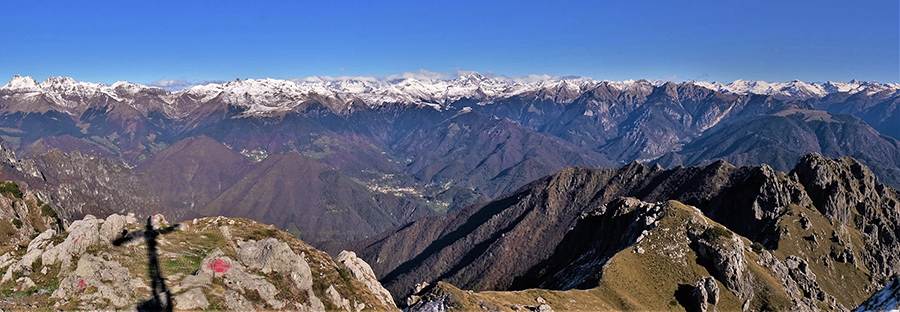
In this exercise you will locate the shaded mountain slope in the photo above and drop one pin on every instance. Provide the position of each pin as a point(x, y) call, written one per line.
point(192, 172)
point(482, 247)
point(878, 109)
point(488, 155)
point(301, 195)
point(780, 140)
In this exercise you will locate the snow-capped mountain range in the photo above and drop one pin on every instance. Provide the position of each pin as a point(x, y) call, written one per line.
point(264, 96)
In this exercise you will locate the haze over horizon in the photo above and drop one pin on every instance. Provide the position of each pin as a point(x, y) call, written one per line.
point(169, 42)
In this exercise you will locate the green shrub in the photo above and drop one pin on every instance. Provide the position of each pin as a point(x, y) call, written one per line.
point(48, 211)
point(757, 247)
point(17, 223)
point(11, 189)
point(37, 264)
point(717, 232)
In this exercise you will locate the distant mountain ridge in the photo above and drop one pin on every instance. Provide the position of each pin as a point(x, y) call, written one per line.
point(273, 96)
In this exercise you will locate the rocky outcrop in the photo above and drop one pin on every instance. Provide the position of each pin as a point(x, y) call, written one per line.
point(706, 292)
point(245, 266)
point(95, 280)
point(270, 255)
point(726, 253)
point(221, 268)
point(362, 272)
point(81, 234)
point(191, 300)
point(848, 192)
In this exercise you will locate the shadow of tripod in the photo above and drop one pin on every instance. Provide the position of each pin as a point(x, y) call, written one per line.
point(158, 283)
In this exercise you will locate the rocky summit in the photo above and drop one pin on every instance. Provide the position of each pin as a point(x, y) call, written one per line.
point(203, 264)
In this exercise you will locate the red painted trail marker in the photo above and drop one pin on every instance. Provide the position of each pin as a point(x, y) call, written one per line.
point(219, 266)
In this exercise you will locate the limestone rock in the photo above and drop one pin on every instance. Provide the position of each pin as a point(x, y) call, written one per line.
point(270, 255)
point(795, 277)
point(158, 221)
point(234, 275)
point(706, 292)
point(336, 298)
point(24, 283)
point(361, 271)
point(82, 234)
point(727, 256)
point(6, 259)
point(191, 299)
point(96, 278)
point(112, 228)
point(237, 302)
point(34, 252)
point(805, 278)
point(41, 240)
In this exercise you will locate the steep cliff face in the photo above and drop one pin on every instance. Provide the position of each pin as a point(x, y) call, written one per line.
point(24, 215)
point(567, 231)
point(211, 263)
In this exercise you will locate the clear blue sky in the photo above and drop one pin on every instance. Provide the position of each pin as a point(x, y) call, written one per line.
point(144, 41)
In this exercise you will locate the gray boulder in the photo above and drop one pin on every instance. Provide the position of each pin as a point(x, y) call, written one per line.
point(82, 234)
point(96, 279)
point(112, 228)
point(706, 292)
point(191, 300)
point(270, 255)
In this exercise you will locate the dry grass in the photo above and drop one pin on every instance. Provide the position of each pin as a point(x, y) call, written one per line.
point(659, 279)
point(845, 281)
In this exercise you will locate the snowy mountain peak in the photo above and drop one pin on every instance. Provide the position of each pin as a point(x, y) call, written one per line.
point(19, 82)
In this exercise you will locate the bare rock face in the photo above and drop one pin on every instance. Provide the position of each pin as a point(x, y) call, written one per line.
point(336, 298)
point(234, 275)
point(709, 289)
point(82, 233)
point(727, 256)
point(95, 280)
point(806, 279)
point(849, 193)
point(112, 227)
point(362, 272)
point(191, 300)
point(271, 255)
point(798, 281)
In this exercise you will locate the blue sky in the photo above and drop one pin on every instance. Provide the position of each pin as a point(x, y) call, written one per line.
point(145, 41)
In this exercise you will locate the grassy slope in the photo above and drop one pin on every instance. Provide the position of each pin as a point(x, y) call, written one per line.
point(657, 279)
